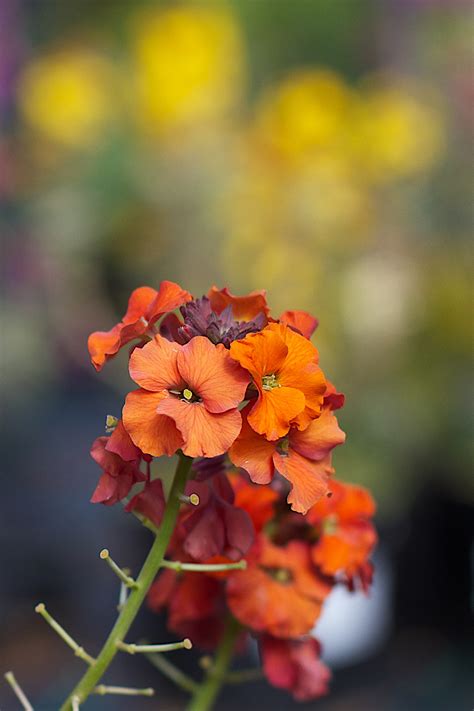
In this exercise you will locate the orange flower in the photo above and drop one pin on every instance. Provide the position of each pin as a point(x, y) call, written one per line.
point(279, 592)
point(300, 321)
point(347, 537)
point(290, 384)
point(188, 398)
point(244, 308)
point(145, 307)
point(304, 458)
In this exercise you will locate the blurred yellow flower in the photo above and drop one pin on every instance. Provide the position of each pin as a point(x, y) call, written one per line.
point(188, 64)
point(396, 133)
point(305, 115)
point(68, 96)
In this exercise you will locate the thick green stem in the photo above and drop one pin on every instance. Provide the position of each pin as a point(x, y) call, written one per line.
point(207, 692)
point(134, 601)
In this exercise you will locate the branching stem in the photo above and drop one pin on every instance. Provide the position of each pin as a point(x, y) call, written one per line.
point(134, 601)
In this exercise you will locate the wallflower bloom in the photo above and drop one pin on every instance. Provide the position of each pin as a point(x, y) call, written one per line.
point(120, 461)
point(295, 665)
point(347, 536)
point(188, 398)
point(145, 307)
point(290, 384)
point(302, 457)
point(279, 592)
point(215, 527)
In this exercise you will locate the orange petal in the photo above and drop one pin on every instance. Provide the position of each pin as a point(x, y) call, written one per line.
point(154, 366)
point(274, 410)
point(244, 308)
point(205, 434)
point(345, 550)
point(138, 303)
point(153, 433)
point(210, 372)
point(253, 453)
point(309, 479)
point(259, 502)
point(103, 344)
point(301, 321)
point(266, 605)
point(169, 297)
point(355, 504)
point(348, 502)
point(319, 438)
point(260, 353)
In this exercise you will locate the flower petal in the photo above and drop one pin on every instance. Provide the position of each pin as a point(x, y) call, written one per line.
point(211, 373)
point(319, 438)
point(274, 410)
point(300, 321)
point(153, 433)
point(169, 297)
point(205, 434)
point(253, 453)
point(260, 353)
point(154, 367)
point(244, 308)
point(138, 303)
point(309, 479)
point(103, 344)
point(120, 443)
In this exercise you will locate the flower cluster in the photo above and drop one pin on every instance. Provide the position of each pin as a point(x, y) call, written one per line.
point(242, 393)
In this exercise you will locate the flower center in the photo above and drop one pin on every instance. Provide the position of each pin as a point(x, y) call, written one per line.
point(270, 381)
point(330, 525)
point(283, 446)
point(280, 575)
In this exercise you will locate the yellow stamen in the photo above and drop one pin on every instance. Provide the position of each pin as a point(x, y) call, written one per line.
point(187, 394)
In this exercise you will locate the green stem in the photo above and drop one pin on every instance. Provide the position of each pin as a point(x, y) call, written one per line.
point(207, 692)
point(134, 601)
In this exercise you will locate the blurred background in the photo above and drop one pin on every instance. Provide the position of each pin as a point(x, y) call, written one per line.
point(318, 149)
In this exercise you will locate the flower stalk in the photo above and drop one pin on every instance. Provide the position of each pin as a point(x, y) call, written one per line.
point(204, 567)
point(147, 574)
point(175, 675)
point(18, 691)
point(78, 650)
point(102, 690)
point(126, 579)
point(154, 648)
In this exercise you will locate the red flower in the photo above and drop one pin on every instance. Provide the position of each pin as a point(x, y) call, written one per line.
point(283, 365)
point(279, 592)
point(120, 461)
point(196, 605)
point(188, 398)
point(150, 502)
point(347, 536)
point(304, 458)
point(295, 665)
point(145, 307)
point(215, 527)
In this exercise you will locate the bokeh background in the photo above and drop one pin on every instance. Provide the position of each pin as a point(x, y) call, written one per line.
point(319, 149)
